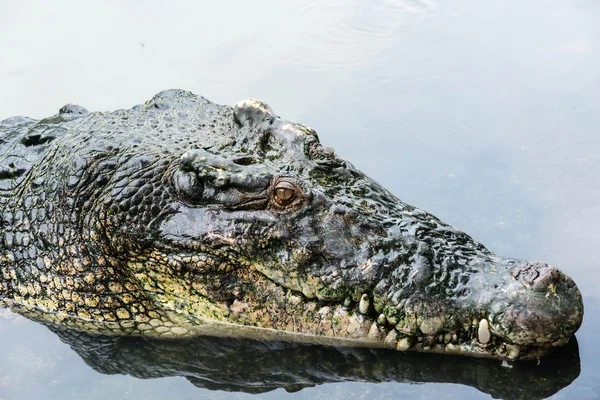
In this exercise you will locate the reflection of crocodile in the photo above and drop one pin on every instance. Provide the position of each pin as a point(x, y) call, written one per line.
point(183, 217)
point(256, 366)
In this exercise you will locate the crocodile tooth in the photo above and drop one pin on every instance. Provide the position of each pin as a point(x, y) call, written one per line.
point(363, 305)
point(347, 302)
point(440, 338)
point(452, 347)
point(447, 338)
point(391, 337)
point(483, 333)
point(381, 319)
point(513, 351)
point(454, 338)
point(420, 339)
point(404, 344)
point(375, 332)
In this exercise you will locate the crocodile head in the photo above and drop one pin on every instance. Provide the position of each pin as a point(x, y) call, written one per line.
point(193, 218)
point(282, 238)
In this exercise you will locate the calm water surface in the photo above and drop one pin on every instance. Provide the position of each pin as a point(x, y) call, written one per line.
point(484, 113)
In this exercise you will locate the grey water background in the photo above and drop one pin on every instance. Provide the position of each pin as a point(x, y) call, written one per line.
point(485, 113)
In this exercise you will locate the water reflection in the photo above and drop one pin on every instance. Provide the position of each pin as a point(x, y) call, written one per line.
point(255, 367)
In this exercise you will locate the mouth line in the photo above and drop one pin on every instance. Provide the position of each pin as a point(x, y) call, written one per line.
point(472, 337)
point(378, 333)
point(453, 343)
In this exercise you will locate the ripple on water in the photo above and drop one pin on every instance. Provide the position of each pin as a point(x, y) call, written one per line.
point(350, 34)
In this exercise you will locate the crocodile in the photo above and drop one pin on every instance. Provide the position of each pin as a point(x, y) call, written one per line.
point(182, 217)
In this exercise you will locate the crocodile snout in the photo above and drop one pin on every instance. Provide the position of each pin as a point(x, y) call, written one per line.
point(545, 306)
point(539, 276)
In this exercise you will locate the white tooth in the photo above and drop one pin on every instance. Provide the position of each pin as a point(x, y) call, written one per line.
point(391, 337)
point(347, 302)
point(455, 338)
point(483, 334)
point(513, 351)
point(363, 305)
point(447, 338)
point(403, 344)
point(451, 347)
point(375, 333)
point(381, 319)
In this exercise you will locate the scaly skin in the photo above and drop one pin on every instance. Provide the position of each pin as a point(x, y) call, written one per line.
point(182, 217)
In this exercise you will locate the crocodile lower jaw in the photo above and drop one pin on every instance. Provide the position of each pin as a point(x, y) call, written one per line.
point(497, 348)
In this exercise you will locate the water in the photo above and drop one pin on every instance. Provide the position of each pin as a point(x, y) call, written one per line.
point(483, 113)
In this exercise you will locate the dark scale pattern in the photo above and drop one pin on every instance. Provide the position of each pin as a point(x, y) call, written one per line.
point(95, 188)
point(184, 217)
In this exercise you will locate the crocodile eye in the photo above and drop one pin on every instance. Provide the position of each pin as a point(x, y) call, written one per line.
point(284, 193)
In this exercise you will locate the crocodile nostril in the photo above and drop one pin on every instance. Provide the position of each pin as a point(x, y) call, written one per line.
point(537, 275)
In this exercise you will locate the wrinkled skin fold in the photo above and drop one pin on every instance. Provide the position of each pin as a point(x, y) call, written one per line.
point(181, 217)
